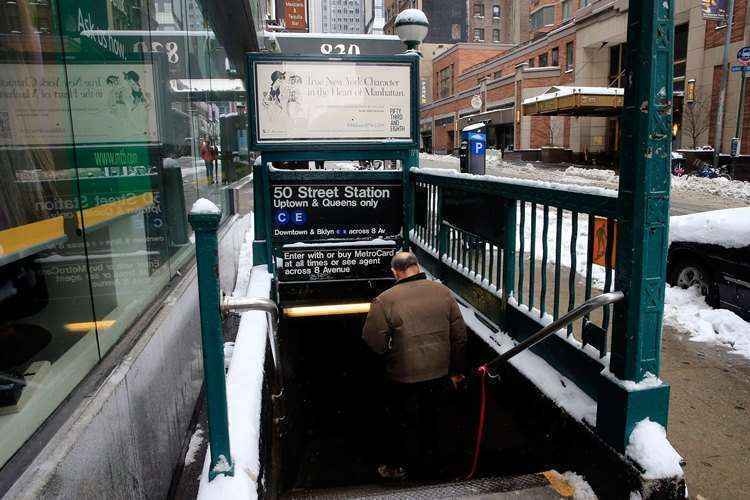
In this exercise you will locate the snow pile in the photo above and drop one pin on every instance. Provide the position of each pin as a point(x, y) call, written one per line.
point(581, 489)
point(204, 206)
point(729, 228)
point(717, 187)
point(533, 183)
point(194, 446)
point(555, 386)
point(592, 173)
point(440, 158)
point(687, 311)
point(648, 446)
point(649, 381)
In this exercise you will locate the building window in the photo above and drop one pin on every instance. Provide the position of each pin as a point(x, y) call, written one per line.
point(616, 59)
point(496, 11)
point(543, 60)
point(479, 10)
point(531, 62)
point(445, 82)
point(555, 56)
point(495, 35)
point(542, 17)
point(497, 74)
point(455, 32)
point(567, 9)
point(569, 56)
point(479, 34)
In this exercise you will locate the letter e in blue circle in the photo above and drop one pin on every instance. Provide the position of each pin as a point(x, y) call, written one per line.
point(299, 217)
point(282, 217)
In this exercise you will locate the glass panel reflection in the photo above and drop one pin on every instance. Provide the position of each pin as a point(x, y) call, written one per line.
point(47, 331)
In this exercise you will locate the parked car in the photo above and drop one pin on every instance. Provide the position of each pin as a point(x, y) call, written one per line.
point(711, 250)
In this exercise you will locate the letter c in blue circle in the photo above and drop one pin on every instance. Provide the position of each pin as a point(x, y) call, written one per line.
point(299, 217)
point(282, 217)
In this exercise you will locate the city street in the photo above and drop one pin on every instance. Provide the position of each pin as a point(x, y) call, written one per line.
point(710, 385)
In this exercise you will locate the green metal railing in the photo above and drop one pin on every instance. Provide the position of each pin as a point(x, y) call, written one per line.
point(531, 262)
point(552, 254)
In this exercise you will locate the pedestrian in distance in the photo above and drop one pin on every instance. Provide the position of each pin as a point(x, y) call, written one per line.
point(207, 157)
point(418, 329)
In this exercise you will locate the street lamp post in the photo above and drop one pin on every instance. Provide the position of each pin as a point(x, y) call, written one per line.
point(411, 27)
point(724, 81)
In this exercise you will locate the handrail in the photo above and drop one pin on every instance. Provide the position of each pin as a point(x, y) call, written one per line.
point(567, 318)
point(271, 309)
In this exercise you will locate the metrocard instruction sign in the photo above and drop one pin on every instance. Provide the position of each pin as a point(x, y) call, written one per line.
point(326, 100)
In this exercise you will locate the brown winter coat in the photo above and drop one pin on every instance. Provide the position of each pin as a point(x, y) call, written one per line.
point(418, 326)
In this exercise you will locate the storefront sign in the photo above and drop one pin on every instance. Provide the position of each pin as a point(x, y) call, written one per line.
point(295, 15)
point(714, 9)
point(108, 103)
point(344, 262)
point(335, 211)
point(333, 101)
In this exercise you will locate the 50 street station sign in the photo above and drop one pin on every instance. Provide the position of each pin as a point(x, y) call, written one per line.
point(304, 212)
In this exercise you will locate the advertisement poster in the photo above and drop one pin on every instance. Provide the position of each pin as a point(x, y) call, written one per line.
point(332, 101)
point(108, 103)
point(342, 211)
point(714, 9)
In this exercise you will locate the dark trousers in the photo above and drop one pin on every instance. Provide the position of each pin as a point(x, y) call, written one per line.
point(415, 425)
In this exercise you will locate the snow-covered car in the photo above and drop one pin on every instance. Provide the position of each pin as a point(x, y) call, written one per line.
point(711, 250)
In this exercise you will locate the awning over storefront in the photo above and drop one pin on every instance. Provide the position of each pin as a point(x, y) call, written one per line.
point(576, 101)
point(205, 89)
point(492, 117)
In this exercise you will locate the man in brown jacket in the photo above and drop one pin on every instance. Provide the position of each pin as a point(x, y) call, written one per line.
point(417, 326)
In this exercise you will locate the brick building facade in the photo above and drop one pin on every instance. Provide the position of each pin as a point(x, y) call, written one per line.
point(473, 21)
point(582, 46)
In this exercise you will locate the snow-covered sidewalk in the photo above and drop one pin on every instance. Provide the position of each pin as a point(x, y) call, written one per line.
point(723, 188)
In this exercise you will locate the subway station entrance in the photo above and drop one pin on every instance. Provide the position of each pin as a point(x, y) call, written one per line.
point(561, 290)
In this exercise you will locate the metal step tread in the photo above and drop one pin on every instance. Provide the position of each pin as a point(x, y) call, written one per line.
point(530, 486)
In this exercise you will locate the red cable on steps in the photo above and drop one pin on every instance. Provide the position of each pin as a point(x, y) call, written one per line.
point(482, 373)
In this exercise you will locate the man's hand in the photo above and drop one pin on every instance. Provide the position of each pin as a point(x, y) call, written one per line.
point(458, 381)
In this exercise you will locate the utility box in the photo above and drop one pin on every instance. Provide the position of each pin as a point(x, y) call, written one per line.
point(472, 152)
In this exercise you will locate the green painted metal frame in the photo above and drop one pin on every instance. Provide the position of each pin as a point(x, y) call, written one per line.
point(205, 226)
point(644, 220)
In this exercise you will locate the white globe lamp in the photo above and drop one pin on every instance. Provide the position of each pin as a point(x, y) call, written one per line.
point(411, 27)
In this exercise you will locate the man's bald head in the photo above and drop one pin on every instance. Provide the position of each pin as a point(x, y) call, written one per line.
point(405, 264)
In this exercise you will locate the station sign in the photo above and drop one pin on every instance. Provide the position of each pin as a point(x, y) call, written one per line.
point(343, 261)
point(333, 103)
point(305, 212)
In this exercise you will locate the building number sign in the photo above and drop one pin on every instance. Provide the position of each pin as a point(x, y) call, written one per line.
point(341, 49)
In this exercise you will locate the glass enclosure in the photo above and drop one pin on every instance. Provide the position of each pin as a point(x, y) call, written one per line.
point(111, 116)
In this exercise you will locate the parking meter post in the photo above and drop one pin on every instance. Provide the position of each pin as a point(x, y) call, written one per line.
point(205, 226)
